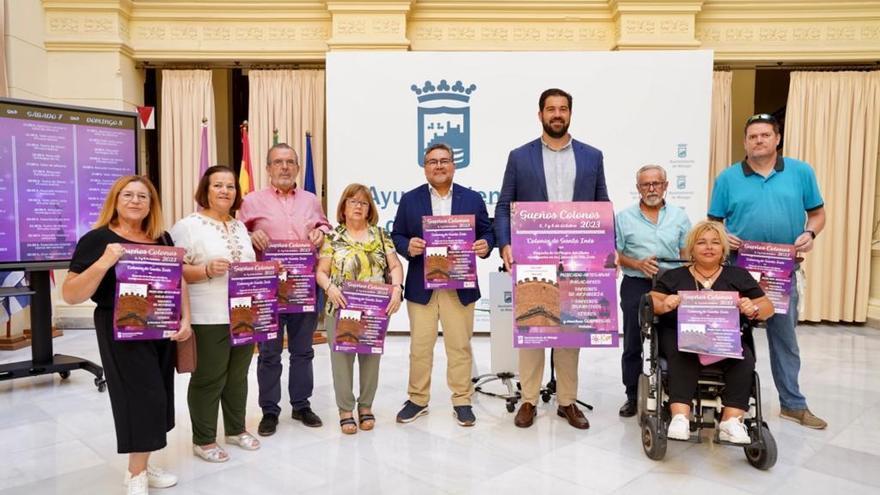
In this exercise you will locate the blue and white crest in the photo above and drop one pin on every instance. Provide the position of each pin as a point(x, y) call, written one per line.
point(681, 181)
point(682, 150)
point(444, 116)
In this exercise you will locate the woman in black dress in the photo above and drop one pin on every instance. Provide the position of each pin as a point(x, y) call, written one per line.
point(140, 374)
point(708, 248)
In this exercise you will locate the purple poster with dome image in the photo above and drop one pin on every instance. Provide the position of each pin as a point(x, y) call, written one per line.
point(771, 265)
point(296, 279)
point(450, 261)
point(361, 325)
point(564, 273)
point(708, 324)
point(147, 292)
point(253, 302)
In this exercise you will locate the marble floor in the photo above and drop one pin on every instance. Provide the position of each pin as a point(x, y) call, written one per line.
point(57, 436)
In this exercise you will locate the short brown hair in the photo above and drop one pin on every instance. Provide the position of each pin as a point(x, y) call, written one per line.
point(204, 184)
point(351, 191)
point(152, 225)
point(700, 229)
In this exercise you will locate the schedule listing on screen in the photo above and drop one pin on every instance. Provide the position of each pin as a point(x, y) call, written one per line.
point(57, 164)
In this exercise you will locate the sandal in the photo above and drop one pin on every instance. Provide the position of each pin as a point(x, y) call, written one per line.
point(348, 426)
point(244, 440)
point(213, 454)
point(366, 421)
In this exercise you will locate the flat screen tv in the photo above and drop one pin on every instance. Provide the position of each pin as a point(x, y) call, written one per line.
point(56, 165)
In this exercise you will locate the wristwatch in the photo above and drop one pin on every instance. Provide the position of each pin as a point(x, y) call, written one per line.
point(812, 234)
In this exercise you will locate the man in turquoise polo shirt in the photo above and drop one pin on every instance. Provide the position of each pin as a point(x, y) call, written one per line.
point(771, 198)
point(646, 231)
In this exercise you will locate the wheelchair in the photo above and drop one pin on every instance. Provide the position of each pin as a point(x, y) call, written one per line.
point(653, 406)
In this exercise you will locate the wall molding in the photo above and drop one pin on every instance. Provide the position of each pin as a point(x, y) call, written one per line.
point(738, 31)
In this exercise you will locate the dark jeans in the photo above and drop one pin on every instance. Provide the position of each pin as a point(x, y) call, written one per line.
point(631, 291)
point(300, 331)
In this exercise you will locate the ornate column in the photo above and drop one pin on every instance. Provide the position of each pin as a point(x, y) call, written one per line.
point(655, 24)
point(369, 25)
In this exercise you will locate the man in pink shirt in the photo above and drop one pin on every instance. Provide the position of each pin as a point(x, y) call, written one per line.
point(284, 212)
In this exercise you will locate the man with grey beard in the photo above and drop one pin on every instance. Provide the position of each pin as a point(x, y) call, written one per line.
point(645, 232)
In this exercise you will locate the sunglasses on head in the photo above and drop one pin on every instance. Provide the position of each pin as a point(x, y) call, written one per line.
point(760, 117)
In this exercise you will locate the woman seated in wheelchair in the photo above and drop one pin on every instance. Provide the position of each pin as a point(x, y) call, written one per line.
point(707, 247)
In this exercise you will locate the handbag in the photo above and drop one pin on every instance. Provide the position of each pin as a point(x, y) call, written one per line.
point(187, 356)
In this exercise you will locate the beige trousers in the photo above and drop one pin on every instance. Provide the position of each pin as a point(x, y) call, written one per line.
point(458, 327)
point(531, 372)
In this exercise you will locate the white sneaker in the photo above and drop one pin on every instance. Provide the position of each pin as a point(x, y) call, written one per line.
point(733, 430)
point(137, 485)
point(679, 428)
point(156, 477)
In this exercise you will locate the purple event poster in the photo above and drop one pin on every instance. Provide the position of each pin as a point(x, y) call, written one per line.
point(361, 325)
point(253, 302)
point(296, 280)
point(147, 292)
point(450, 261)
point(708, 324)
point(771, 265)
point(565, 278)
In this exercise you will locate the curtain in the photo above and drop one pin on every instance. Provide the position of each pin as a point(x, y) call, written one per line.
point(291, 101)
point(833, 123)
point(187, 98)
point(719, 130)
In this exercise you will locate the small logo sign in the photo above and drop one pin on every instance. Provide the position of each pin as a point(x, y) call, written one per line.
point(508, 297)
point(681, 182)
point(681, 150)
point(444, 116)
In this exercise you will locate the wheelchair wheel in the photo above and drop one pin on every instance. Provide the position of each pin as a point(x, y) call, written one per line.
point(653, 438)
point(765, 458)
point(642, 398)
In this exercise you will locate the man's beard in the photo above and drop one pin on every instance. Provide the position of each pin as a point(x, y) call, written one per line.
point(653, 201)
point(554, 134)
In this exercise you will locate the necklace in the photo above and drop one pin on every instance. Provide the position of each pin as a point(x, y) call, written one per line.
point(707, 280)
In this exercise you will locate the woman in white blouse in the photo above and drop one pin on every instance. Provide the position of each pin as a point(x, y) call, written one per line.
point(213, 239)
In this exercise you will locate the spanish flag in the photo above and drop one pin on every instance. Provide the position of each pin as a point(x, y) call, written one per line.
point(246, 173)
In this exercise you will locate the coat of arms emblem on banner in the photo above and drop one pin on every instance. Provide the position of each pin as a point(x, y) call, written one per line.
point(444, 116)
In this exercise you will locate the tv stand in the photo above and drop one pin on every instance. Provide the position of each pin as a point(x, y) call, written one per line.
point(43, 361)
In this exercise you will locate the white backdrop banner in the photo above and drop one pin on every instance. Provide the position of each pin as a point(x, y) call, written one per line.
point(384, 109)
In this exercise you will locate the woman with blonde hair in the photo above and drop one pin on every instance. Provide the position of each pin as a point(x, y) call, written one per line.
point(140, 373)
point(708, 247)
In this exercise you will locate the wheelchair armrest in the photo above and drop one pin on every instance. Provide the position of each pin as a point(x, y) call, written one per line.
point(646, 314)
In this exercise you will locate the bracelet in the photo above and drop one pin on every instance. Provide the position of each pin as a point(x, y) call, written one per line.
point(206, 272)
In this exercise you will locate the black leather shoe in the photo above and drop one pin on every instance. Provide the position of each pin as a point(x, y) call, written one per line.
point(307, 416)
point(628, 409)
point(268, 425)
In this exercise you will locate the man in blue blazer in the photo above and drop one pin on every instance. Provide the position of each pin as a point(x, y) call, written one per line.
point(554, 167)
point(454, 309)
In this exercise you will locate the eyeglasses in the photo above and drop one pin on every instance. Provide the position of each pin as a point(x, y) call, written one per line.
point(760, 117)
point(354, 203)
point(128, 197)
point(434, 162)
point(280, 163)
point(647, 186)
